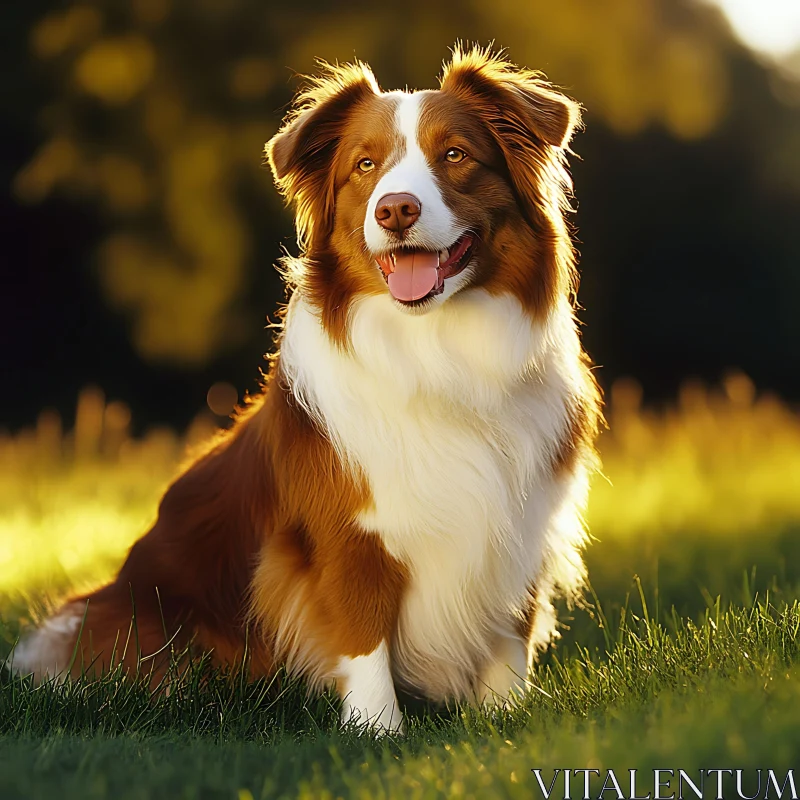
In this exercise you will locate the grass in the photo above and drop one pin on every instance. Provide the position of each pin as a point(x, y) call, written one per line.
point(670, 696)
point(685, 657)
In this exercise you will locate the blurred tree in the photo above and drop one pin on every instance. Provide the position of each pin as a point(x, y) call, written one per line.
point(151, 116)
point(161, 108)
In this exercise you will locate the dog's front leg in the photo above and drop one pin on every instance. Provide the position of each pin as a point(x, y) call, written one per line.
point(334, 601)
point(503, 678)
point(363, 586)
point(367, 689)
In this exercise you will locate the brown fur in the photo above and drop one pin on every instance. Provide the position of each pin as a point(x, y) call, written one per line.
point(337, 121)
point(263, 517)
point(585, 418)
point(531, 123)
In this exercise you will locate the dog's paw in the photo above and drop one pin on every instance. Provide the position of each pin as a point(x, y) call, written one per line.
point(502, 683)
point(388, 720)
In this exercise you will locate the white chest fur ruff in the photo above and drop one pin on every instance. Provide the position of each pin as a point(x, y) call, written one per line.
point(453, 417)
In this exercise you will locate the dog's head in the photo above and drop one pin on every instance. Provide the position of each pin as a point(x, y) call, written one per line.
point(425, 195)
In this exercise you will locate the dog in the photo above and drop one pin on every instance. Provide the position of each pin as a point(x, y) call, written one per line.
point(403, 502)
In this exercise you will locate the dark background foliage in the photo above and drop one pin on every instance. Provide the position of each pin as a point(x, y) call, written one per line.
point(140, 225)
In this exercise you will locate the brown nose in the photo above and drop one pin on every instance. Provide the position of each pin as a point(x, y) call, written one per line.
point(397, 212)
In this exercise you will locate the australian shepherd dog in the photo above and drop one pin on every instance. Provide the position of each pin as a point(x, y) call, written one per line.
point(402, 504)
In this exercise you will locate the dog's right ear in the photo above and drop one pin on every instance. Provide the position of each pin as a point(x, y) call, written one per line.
point(302, 152)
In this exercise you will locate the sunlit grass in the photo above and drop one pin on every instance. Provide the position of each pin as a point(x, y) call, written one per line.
point(72, 503)
point(674, 695)
point(684, 656)
point(723, 462)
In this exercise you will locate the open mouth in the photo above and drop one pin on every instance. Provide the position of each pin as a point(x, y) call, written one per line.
point(413, 276)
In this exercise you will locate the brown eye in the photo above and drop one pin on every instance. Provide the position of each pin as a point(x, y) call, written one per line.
point(365, 165)
point(454, 155)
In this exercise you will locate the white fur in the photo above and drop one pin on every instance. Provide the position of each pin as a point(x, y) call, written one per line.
point(502, 679)
point(368, 691)
point(47, 651)
point(453, 418)
point(436, 227)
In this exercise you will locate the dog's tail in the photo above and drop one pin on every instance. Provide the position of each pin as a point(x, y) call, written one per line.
point(47, 651)
point(98, 632)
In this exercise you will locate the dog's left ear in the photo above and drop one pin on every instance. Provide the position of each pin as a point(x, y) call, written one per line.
point(515, 102)
point(302, 152)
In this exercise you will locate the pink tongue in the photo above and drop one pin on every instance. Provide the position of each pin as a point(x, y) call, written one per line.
point(415, 275)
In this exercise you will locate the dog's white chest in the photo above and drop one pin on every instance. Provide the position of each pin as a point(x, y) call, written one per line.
point(462, 501)
point(458, 462)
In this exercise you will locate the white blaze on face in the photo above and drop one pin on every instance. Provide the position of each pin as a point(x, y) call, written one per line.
point(436, 228)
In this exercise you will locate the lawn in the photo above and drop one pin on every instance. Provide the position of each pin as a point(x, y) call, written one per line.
point(684, 655)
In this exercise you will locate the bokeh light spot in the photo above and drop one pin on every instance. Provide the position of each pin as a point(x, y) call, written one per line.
point(222, 398)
